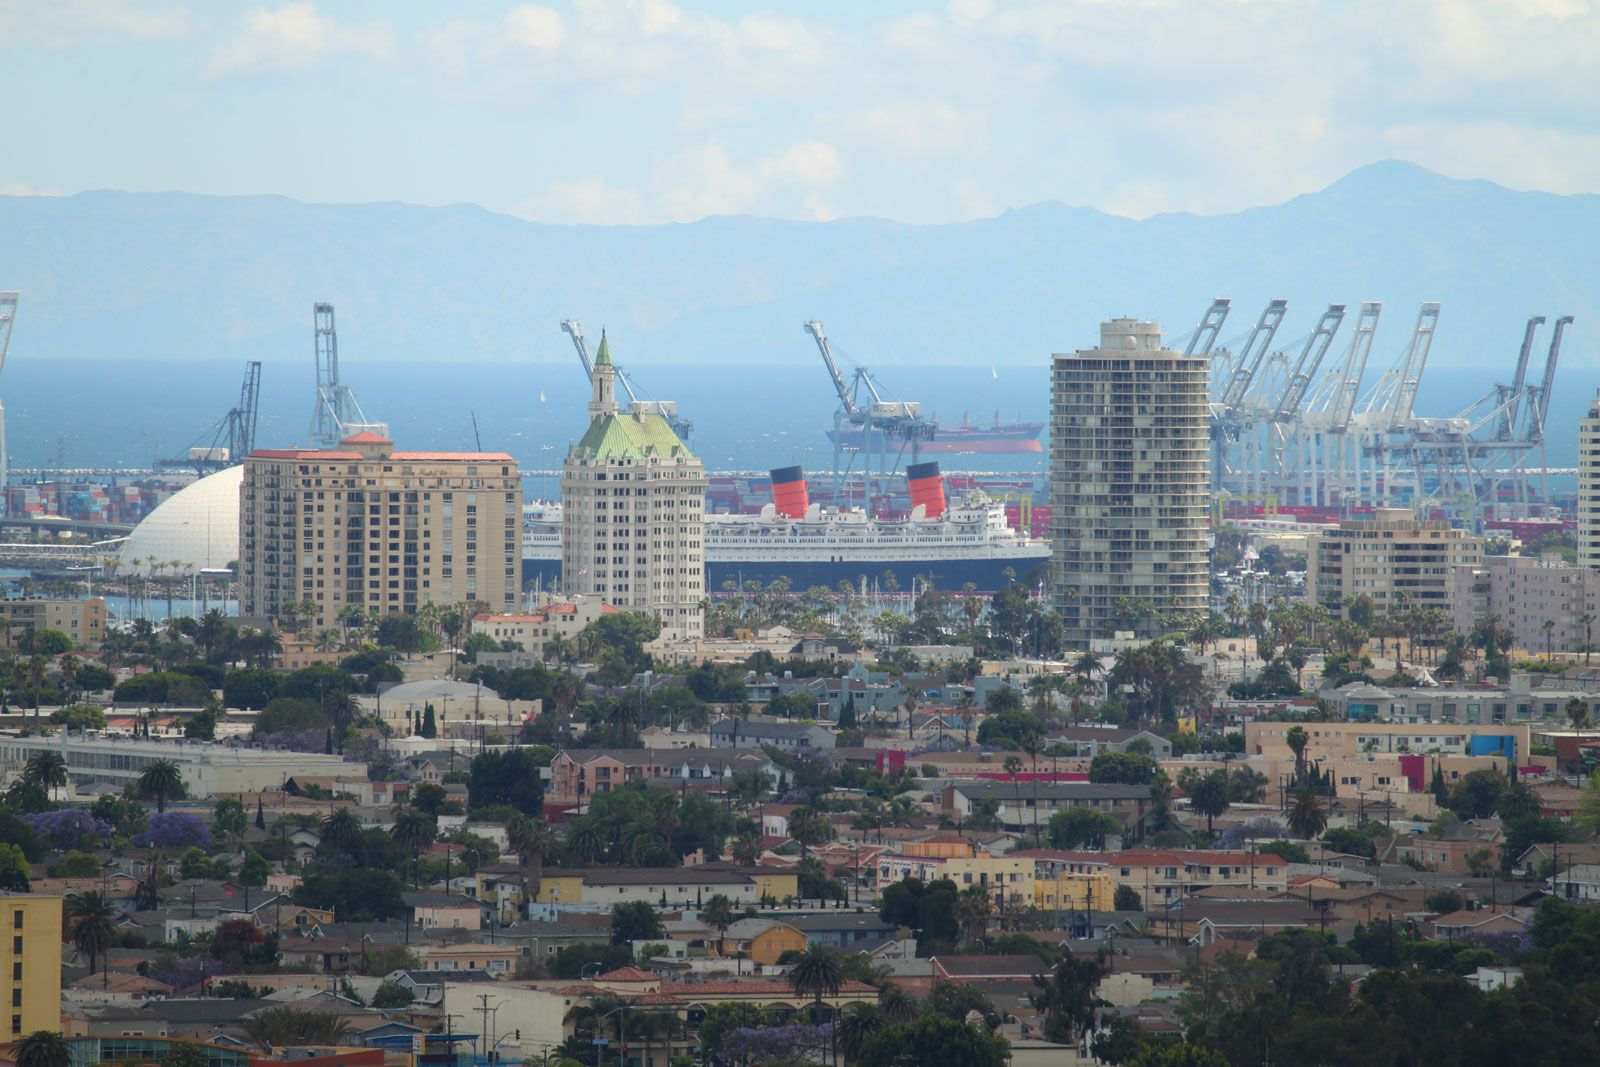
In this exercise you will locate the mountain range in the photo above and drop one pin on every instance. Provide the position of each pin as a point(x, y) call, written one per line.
point(179, 276)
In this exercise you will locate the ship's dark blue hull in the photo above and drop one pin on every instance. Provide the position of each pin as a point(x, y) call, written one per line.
point(985, 574)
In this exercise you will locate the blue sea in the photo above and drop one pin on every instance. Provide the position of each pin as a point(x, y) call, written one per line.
point(123, 413)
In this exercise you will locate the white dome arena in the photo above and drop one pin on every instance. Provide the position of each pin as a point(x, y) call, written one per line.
point(196, 528)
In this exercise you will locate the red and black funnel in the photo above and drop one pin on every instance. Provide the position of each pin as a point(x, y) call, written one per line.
point(927, 488)
point(789, 495)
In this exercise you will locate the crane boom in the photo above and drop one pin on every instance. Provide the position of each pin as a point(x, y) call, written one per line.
point(814, 328)
point(1250, 356)
point(8, 314)
point(572, 328)
point(1206, 335)
point(1308, 363)
point(1513, 395)
point(1416, 361)
point(575, 331)
point(337, 413)
point(1355, 365)
point(243, 438)
point(1542, 407)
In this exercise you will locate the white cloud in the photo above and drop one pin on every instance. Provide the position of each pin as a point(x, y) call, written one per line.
point(586, 200)
point(532, 26)
point(75, 23)
point(294, 35)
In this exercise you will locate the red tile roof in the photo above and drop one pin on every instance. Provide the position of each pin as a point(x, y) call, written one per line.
point(366, 437)
point(627, 974)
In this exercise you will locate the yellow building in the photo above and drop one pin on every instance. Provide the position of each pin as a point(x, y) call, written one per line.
point(1069, 891)
point(1009, 881)
point(762, 940)
point(674, 886)
point(32, 963)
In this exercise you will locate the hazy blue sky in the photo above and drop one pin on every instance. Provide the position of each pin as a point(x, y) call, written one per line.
point(650, 111)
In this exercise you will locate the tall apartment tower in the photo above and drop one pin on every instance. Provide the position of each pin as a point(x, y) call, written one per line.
point(633, 504)
point(1128, 484)
point(1589, 486)
point(379, 531)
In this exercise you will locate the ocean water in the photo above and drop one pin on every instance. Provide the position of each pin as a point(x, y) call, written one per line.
point(125, 413)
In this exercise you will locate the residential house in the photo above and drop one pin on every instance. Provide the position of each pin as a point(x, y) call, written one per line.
point(1091, 741)
point(1160, 875)
point(435, 911)
point(593, 888)
point(752, 733)
point(1019, 808)
point(576, 773)
point(761, 940)
point(1581, 881)
point(499, 959)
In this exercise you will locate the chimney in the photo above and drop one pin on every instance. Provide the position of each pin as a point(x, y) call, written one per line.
point(789, 495)
point(927, 488)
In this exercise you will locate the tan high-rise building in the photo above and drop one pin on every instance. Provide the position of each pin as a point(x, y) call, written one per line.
point(1128, 484)
point(633, 504)
point(1589, 486)
point(31, 964)
point(1394, 557)
point(381, 531)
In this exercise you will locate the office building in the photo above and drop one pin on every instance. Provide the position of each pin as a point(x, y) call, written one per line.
point(381, 531)
point(30, 971)
point(633, 512)
point(1128, 484)
point(1589, 486)
point(1393, 557)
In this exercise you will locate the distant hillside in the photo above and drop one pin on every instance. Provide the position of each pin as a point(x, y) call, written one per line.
point(180, 276)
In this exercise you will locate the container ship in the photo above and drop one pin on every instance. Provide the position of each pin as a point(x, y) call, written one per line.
point(949, 545)
point(967, 437)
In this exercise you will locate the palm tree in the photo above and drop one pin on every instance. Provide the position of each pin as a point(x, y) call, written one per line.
point(342, 830)
point(718, 913)
point(898, 1006)
point(416, 831)
point(47, 770)
point(1013, 767)
point(1586, 620)
point(90, 918)
point(746, 850)
point(1298, 739)
point(817, 973)
point(1548, 626)
point(532, 841)
point(1209, 797)
point(289, 1025)
point(43, 1048)
point(857, 1024)
point(973, 910)
point(161, 781)
point(584, 843)
point(1309, 816)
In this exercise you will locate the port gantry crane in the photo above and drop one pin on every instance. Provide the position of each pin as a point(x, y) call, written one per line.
point(337, 413)
point(8, 316)
point(1330, 467)
point(231, 437)
point(1388, 409)
point(1475, 457)
point(877, 426)
point(1234, 421)
point(1283, 445)
point(667, 409)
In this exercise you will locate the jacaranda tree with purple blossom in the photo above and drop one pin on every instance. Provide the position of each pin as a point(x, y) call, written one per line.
point(68, 828)
point(175, 829)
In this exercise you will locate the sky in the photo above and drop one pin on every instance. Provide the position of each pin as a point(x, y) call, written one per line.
point(650, 111)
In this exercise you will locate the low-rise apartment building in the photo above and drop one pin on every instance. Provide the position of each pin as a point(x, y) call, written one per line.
point(1021, 805)
point(1337, 740)
point(535, 630)
point(592, 888)
point(747, 733)
point(1160, 875)
point(578, 772)
point(83, 620)
point(1525, 593)
point(1393, 557)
